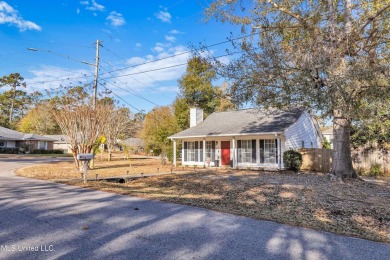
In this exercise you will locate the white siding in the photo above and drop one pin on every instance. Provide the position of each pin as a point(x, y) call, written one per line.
point(303, 130)
point(62, 146)
point(196, 116)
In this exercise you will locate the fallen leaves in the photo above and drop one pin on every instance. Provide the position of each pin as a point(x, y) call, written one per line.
point(354, 208)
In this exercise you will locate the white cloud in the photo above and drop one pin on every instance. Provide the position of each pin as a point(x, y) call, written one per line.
point(138, 45)
point(46, 77)
point(8, 15)
point(175, 32)
point(92, 6)
point(170, 38)
point(116, 19)
point(78, 10)
point(164, 16)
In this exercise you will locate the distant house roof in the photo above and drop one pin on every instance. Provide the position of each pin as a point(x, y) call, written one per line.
point(243, 122)
point(9, 134)
point(137, 142)
point(58, 139)
point(34, 137)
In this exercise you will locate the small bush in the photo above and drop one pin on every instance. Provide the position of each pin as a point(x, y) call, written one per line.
point(375, 169)
point(6, 150)
point(43, 151)
point(292, 160)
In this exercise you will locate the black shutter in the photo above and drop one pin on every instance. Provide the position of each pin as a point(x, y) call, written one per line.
point(196, 151)
point(239, 150)
point(254, 151)
point(185, 151)
point(261, 151)
point(213, 151)
point(276, 152)
point(201, 151)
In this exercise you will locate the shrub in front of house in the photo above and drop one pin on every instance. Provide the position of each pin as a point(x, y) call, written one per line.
point(292, 160)
point(43, 151)
point(6, 150)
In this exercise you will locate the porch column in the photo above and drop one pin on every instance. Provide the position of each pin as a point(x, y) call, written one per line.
point(279, 154)
point(174, 152)
point(204, 152)
point(234, 152)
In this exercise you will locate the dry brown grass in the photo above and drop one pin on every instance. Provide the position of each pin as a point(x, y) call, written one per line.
point(103, 168)
point(355, 208)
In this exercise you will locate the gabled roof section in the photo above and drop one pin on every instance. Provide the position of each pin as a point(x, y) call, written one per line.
point(10, 134)
point(58, 139)
point(34, 137)
point(134, 142)
point(243, 122)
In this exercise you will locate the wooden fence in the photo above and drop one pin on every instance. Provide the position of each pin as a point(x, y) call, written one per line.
point(320, 160)
point(365, 157)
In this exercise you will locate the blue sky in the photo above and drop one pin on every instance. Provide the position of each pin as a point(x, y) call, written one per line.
point(132, 33)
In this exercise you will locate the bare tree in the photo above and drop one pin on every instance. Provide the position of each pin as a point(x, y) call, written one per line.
point(116, 124)
point(329, 56)
point(79, 120)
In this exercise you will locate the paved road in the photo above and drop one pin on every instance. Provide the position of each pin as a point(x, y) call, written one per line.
point(64, 222)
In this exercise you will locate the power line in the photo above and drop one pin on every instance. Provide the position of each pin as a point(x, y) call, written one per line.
point(181, 53)
point(168, 67)
point(175, 55)
point(119, 97)
point(135, 78)
point(125, 59)
point(131, 92)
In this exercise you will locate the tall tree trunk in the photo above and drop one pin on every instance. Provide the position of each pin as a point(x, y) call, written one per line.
point(342, 160)
point(12, 106)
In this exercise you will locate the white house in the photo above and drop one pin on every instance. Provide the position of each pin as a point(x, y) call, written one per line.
point(61, 143)
point(254, 138)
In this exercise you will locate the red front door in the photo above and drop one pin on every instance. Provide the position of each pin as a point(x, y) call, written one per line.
point(225, 147)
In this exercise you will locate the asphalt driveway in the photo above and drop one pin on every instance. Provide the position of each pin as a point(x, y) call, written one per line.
point(46, 220)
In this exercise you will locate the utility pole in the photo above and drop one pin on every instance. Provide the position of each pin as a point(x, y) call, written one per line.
point(96, 74)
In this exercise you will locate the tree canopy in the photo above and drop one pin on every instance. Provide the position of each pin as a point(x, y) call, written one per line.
point(158, 125)
point(197, 90)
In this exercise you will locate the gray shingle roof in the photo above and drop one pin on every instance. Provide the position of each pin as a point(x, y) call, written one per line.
point(134, 142)
point(9, 134)
point(243, 122)
point(34, 137)
point(58, 139)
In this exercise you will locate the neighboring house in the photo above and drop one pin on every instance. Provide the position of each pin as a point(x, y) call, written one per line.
point(136, 143)
point(327, 133)
point(13, 139)
point(246, 138)
point(60, 143)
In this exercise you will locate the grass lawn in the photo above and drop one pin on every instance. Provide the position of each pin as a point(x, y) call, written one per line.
point(355, 208)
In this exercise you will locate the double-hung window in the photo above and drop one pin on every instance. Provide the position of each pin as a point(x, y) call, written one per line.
point(209, 147)
point(246, 151)
point(191, 151)
point(270, 151)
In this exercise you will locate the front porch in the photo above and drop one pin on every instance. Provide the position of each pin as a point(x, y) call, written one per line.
point(236, 152)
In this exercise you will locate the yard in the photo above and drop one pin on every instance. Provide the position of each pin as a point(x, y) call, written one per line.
point(355, 208)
